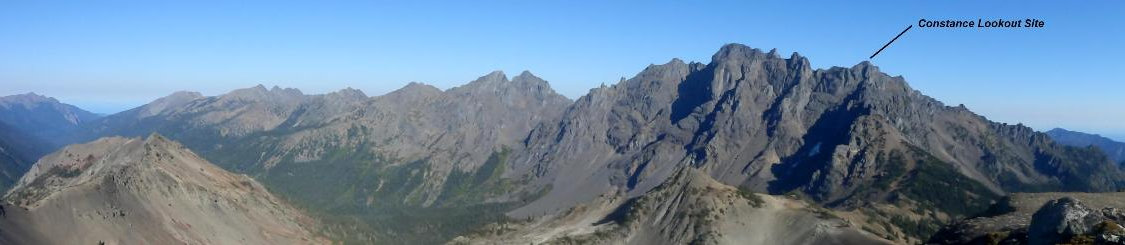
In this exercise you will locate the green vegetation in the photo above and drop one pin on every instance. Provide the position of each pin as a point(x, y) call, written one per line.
point(472, 187)
point(1109, 227)
point(636, 208)
point(894, 168)
point(922, 228)
point(751, 198)
point(937, 185)
point(1078, 168)
point(64, 172)
point(1079, 240)
point(362, 197)
point(914, 178)
point(995, 238)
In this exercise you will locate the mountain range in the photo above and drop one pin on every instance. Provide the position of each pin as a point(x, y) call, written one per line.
point(1115, 150)
point(680, 153)
point(43, 117)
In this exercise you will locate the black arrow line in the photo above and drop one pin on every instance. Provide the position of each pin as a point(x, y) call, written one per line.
point(892, 40)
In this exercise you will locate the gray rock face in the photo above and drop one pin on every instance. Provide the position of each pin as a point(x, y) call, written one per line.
point(1061, 220)
point(754, 119)
point(1051, 215)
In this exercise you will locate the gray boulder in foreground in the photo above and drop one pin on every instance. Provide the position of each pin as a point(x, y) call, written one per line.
point(1066, 220)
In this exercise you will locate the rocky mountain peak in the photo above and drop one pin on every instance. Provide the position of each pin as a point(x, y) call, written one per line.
point(352, 91)
point(184, 95)
point(260, 93)
point(492, 78)
point(735, 51)
point(497, 84)
point(26, 99)
point(156, 140)
point(256, 91)
point(286, 91)
point(527, 77)
point(536, 86)
point(347, 94)
point(170, 102)
point(866, 67)
point(42, 116)
point(414, 89)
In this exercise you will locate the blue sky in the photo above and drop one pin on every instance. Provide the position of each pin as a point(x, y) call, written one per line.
point(110, 56)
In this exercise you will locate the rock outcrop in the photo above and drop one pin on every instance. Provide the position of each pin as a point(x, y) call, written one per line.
point(1067, 220)
point(1043, 218)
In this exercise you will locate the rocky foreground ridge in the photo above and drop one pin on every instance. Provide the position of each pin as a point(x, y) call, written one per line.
point(144, 191)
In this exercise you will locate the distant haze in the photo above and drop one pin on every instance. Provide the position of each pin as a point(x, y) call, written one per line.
point(108, 57)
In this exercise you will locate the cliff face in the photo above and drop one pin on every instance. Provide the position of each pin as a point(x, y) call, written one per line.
point(845, 137)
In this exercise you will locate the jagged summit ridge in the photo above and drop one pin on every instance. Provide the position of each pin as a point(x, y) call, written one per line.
point(771, 124)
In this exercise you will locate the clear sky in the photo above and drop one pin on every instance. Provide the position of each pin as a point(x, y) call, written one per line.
point(110, 56)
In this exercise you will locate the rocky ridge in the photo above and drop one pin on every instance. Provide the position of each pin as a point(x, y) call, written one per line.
point(149, 191)
point(413, 148)
point(688, 208)
point(844, 137)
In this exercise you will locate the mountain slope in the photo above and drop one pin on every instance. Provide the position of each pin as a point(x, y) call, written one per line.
point(421, 165)
point(688, 208)
point(18, 151)
point(43, 117)
point(1115, 150)
point(386, 159)
point(143, 191)
point(753, 119)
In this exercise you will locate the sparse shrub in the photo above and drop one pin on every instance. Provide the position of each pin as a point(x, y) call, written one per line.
point(751, 198)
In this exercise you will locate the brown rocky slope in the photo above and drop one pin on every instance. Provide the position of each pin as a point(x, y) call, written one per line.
point(144, 191)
